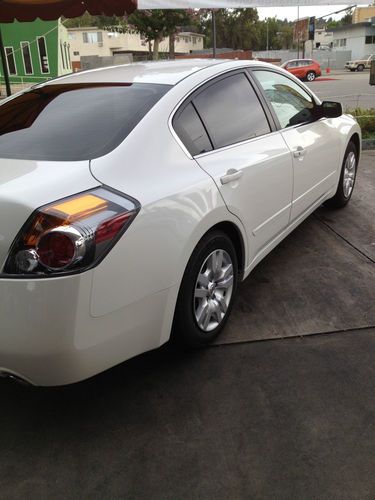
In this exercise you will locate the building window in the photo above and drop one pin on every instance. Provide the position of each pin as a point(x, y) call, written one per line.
point(62, 55)
point(43, 56)
point(75, 53)
point(26, 56)
point(343, 42)
point(370, 39)
point(67, 55)
point(12, 70)
point(72, 36)
point(92, 37)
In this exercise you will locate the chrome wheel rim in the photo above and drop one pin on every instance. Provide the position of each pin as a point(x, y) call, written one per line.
point(310, 77)
point(213, 290)
point(349, 174)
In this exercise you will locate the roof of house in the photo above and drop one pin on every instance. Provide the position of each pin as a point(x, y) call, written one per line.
point(348, 27)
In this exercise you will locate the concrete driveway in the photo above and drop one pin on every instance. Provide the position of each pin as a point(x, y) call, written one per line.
point(289, 418)
point(318, 280)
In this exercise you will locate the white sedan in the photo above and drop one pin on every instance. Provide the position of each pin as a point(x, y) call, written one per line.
point(135, 198)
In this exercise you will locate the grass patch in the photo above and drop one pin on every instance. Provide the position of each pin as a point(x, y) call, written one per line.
point(366, 120)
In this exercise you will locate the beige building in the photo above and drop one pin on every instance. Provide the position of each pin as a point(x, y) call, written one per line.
point(322, 38)
point(363, 14)
point(92, 41)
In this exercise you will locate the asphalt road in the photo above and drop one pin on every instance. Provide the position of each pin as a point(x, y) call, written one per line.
point(289, 418)
point(351, 89)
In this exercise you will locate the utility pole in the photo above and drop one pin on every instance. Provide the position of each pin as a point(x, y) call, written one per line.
point(297, 32)
point(213, 34)
point(5, 65)
point(267, 39)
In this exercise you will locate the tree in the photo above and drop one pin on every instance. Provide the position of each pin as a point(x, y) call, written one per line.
point(154, 25)
point(241, 29)
point(235, 28)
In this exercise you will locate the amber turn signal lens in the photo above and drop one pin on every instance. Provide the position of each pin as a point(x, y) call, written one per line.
point(81, 207)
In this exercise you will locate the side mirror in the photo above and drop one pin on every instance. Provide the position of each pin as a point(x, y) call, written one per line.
point(331, 109)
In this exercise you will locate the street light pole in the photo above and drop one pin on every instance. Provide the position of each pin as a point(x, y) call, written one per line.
point(5, 65)
point(298, 32)
point(213, 34)
point(267, 38)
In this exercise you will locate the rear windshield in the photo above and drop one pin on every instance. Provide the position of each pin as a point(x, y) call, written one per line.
point(69, 122)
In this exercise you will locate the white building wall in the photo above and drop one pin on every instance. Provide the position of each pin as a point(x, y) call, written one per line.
point(63, 54)
point(323, 37)
point(104, 43)
point(354, 39)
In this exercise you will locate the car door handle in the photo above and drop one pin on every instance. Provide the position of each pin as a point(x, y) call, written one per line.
point(299, 152)
point(231, 175)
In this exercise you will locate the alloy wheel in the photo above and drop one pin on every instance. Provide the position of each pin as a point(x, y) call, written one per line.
point(310, 76)
point(349, 174)
point(213, 290)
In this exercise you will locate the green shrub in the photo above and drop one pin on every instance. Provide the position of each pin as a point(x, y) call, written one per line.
point(366, 120)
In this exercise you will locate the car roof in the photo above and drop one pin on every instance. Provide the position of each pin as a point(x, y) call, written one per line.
point(162, 72)
point(305, 59)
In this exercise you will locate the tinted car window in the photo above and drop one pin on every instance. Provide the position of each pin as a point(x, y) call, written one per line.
point(73, 121)
point(231, 111)
point(290, 102)
point(190, 129)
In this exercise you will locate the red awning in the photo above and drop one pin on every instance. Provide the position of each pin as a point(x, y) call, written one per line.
point(28, 10)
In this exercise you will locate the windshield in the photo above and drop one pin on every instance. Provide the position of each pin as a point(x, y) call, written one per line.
point(69, 122)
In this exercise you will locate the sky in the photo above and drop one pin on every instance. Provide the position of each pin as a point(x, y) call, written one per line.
point(291, 12)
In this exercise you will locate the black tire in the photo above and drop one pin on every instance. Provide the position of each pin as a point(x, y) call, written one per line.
point(340, 199)
point(310, 76)
point(352, 70)
point(360, 67)
point(185, 331)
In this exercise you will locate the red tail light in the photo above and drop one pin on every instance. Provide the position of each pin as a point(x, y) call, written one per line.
point(71, 235)
point(109, 228)
point(56, 250)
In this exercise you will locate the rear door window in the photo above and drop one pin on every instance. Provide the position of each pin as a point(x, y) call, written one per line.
point(191, 131)
point(230, 111)
point(68, 122)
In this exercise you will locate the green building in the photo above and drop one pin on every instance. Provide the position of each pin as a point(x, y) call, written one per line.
point(35, 52)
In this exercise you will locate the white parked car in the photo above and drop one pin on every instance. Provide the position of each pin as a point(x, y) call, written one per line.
point(360, 64)
point(135, 198)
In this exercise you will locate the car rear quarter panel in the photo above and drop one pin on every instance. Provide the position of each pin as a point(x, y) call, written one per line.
point(179, 201)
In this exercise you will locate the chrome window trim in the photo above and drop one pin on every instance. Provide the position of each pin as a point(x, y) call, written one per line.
point(237, 144)
point(183, 99)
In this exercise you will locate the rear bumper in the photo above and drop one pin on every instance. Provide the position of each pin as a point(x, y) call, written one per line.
point(48, 336)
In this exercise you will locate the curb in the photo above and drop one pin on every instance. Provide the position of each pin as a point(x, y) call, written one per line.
point(368, 144)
